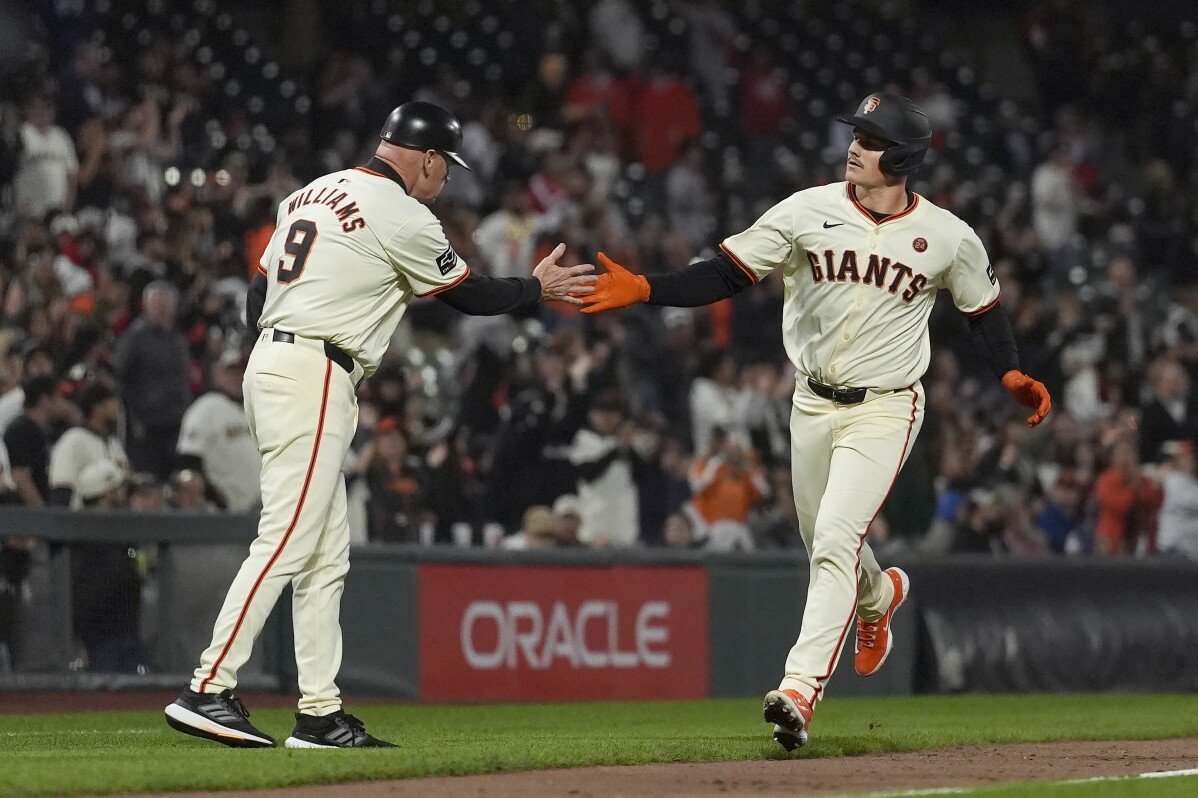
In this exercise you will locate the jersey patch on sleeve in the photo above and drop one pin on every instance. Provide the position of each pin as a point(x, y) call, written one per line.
point(447, 261)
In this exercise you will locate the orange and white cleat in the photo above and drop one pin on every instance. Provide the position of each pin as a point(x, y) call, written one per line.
point(791, 715)
point(873, 637)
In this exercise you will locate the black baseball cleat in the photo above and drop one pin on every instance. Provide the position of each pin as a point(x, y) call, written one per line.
point(338, 730)
point(216, 716)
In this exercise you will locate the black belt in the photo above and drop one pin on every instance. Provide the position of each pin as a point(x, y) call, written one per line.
point(333, 353)
point(842, 396)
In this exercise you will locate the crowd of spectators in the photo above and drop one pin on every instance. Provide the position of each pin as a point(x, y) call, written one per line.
point(139, 189)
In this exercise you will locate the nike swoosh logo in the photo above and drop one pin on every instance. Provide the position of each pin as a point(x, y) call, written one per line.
point(828, 226)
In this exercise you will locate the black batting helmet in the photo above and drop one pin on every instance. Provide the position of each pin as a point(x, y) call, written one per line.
point(425, 126)
point(899, 121)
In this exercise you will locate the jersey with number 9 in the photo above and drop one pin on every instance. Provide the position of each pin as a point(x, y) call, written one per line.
point(349, 252)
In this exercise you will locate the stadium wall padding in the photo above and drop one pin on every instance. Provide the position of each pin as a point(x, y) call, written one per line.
point(1058, 625)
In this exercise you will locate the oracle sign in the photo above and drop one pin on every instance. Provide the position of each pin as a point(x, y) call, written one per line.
point(521, 633)
point(499, 632)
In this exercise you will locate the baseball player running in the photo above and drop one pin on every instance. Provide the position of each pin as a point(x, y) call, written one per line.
point(350, 251)
point(862, 261)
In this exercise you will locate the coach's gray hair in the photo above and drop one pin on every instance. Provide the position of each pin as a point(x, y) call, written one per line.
point(160, 287)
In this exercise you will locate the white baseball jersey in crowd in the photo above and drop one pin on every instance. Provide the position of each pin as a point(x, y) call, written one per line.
point(858, 295)
point(215, 429)
point(350, 251)
point(6, 482)
point(608, 505)
point(78, 448)
point(12, 405)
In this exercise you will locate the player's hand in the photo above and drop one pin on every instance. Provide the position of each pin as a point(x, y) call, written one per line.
point(564, 283)
point(1029, 393)
point(616, 288)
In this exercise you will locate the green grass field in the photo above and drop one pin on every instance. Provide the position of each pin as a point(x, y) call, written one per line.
point(136, 751)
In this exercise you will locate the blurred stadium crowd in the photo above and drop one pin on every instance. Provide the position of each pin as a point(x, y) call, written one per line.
point(145, 145)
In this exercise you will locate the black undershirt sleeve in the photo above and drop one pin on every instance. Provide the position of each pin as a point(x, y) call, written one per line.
point(993, 334)
point(479, 295)
point(255, 300)
point(698, 284)
point(189, 461)
point(589, 472)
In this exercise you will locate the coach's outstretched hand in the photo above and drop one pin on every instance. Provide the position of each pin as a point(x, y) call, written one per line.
point(564, 283)
point(616, 288)
point(1029, 393)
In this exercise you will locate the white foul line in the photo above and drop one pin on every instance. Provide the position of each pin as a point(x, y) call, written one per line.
point(1155, 774)
point(1164, 774)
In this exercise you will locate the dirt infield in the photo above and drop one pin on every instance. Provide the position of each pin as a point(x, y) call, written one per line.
point(950, 767)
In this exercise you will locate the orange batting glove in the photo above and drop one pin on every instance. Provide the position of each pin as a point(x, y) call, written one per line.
point(1029, 393)
point(616, 288)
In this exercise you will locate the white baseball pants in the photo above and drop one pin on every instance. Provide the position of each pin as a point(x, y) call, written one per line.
point(302, 410)
point(844, 462)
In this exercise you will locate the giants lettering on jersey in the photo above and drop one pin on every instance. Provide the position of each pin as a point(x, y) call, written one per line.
point(878, 271)
point(348, 214)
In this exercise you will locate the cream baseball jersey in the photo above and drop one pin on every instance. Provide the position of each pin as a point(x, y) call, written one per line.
point(858, 293)
point(349, 252)
point(216, 430)
point(78, 448)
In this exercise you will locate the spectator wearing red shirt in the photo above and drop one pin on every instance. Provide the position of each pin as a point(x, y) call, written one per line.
point(1127, 504)
point(597, 93)
point(666, 115)
point(765, 109)
point(765, 100)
